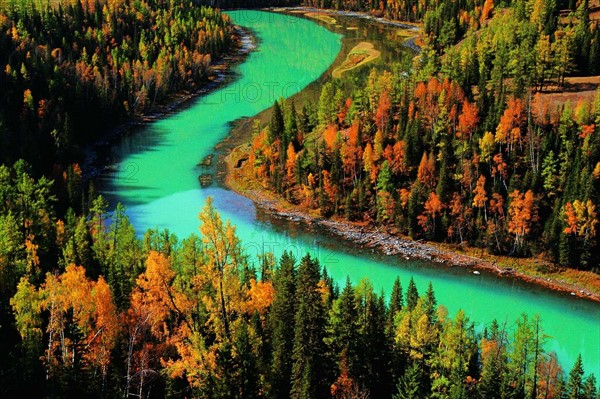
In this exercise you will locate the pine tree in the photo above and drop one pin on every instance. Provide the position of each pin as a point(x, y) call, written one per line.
point(281, 323)
point(408, 386)
point(589, 388)
point(244, 381)
point(594, 62)
point(276, 124)
point(575, 387)
point(412, 295)
point(344, 334)
point(326, 111)
point(396, 301)
point(308, 356)
point(431, 305)
point(494, 359)
point(374, 353)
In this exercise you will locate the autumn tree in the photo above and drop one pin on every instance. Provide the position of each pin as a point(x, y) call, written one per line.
point(467, 120)
point(480, 196)
point(522, 214)
point(433, 208)
point(426, 171)
point(222, 249)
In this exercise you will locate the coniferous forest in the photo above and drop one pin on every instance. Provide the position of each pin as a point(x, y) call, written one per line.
point(80, 68)
point(458, 145)
point(97, 312)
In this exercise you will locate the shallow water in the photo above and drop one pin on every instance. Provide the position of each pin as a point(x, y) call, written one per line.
point(156, 178)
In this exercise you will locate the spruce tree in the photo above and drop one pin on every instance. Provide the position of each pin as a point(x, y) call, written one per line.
point(375, 353)
point(575, 388)
point(494, 364)
point(281, 323)
point(396, 302)
point(343, 325)
point(276, 124)
point(589, 388)
point(431, 304)
point(408, 385)
point(412, 295)
point(308, 356)
point(244, 382)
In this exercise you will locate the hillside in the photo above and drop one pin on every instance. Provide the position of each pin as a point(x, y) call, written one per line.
point(489, 143)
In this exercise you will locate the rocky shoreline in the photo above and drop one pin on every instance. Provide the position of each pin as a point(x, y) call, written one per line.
point(392, 245)
point(372, 237)
point(230, 154)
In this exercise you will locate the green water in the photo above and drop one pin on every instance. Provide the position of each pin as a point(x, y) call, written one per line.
point(156, 178)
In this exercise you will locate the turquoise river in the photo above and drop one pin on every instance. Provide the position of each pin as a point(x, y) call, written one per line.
point(156, 178)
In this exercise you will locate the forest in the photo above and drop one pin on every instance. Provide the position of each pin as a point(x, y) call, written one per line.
point(81, 68)
point(456, 147)
point(463, 149)
point(98, 312)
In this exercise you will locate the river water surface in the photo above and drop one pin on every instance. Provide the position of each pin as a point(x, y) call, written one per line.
point(157, 172)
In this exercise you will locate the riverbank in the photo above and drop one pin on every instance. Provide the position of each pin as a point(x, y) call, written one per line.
point(535, 271)
point(231, 157)
point(96, 154)
point(410, 30)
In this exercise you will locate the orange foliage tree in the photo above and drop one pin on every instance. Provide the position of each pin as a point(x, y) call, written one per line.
point(433, 208)
point(467, 120)
point(426, 171)
point(509, 129)
point(522, 213)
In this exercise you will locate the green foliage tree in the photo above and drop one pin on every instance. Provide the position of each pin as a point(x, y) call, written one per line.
point(308, 378)
point(282, 326)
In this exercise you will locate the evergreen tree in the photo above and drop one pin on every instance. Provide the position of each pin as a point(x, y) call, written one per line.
point(431, 304)
point(326, 111)
point(244, 381)
point(575, 387)
point(590, 390)
point(375, 356)
point(308, 356)
point(494, 359)
point(343, 330)
point(412, 295)
point(276, 124)
point(408, 386)
point(281, 322)
point(396, 302)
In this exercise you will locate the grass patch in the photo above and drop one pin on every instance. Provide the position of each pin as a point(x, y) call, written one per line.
point(361, 54)
point(406, 33)
point(328, 19)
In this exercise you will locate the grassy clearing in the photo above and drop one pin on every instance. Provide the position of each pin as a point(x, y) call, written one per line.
point(549, 102)
point(407, 33)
